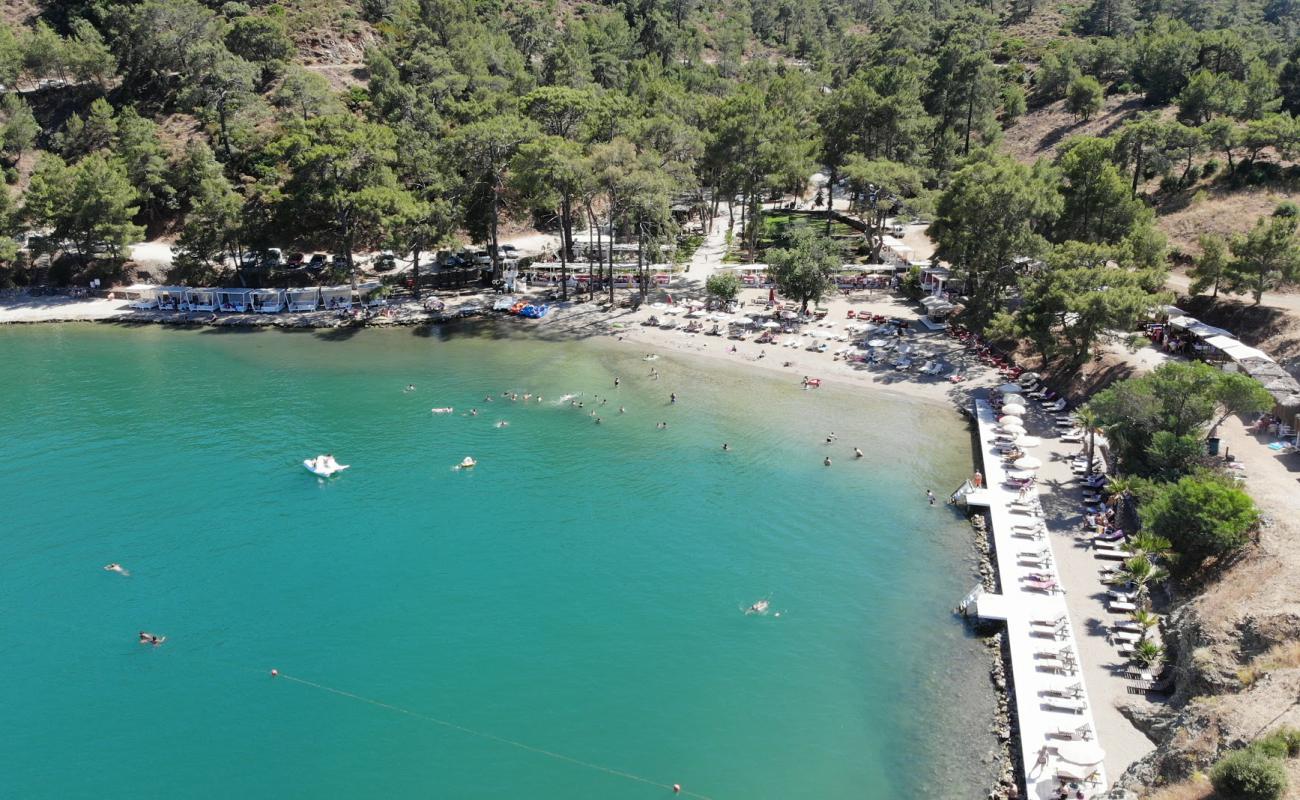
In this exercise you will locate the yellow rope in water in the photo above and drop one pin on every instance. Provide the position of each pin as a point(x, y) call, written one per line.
point(489, 736)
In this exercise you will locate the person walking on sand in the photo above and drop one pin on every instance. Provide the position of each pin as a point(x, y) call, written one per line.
point(929, 494)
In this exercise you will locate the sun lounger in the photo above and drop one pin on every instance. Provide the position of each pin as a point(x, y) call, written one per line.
point(1045, 552)
point(1128, 625)
point(1042, 586)
point(1072, 436)
point(1064, 690)
point(1059, 405)
point(1049, 623)
point(1075, 705)
point(1126, 636)
point(1081, 733)
point(1111, 555)
point(1117, 606)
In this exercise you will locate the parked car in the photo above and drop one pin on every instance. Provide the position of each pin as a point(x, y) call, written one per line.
point(340, 261)
point(295, 259)
point(272, 256)
point(317, 262)
point(384, 261)
point(482, 259)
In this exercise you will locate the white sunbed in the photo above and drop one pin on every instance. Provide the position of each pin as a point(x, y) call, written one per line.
point(1081, 733)
point(1064, 690)
point(1126, 636)
point(1075, 705)
point(1049, 623)
point(1119, 605)
point(1111, 555)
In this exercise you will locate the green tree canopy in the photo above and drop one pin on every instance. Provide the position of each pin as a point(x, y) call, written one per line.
point(993, 211)
point(1203, 515)
point(804, 271)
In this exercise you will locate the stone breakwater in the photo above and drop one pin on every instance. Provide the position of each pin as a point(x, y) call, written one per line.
point(1007, 783)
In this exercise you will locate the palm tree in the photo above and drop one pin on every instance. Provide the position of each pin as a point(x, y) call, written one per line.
point(1148, 653)
point(1149, 544)
point(1089, 422)
point(1146, 620)
point(1142, 573)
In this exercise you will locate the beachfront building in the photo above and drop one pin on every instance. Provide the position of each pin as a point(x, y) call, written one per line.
point(303, 299)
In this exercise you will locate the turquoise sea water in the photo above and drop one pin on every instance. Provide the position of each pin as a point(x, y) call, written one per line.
point(580, 591)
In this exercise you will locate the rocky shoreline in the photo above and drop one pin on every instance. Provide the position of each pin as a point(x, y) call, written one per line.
point(1008, 780)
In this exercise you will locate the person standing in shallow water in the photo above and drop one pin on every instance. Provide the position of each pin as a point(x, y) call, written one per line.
point(929, 494)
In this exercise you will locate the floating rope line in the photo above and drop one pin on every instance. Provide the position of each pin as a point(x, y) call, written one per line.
point(492, 737)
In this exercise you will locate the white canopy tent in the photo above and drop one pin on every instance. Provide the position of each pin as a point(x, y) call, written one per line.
point(303, 299)
point(201, 299)
point(336, 297)
point(266, 301)
point(238, 300)
point(170, 298)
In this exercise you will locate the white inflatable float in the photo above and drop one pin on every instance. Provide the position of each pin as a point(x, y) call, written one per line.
point(324, 466)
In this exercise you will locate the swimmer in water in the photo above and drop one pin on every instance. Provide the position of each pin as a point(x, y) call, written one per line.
point(410, 387)
point(118, 568)
point(827, 461)
point(622, 410)
point(725, 447)
point(473, 412)
point(503, 424)
point(149, 638)
point(597, 420)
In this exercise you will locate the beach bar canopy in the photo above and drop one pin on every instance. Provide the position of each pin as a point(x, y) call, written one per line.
point(303, 299)
point(201, 299)
point(266, 301)
point(234, 300)
point(332, 297)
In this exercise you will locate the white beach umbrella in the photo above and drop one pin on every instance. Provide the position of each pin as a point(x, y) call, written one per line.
point(1085, 753)
point(1027, 462)
point(789, 315)
point(1010, 388)
point(658, 305)
point(1014, 409)
point(1028, 441)
point(877, 343)
point(1011, 420)
point(742, 320)
point(1013, 428)
point(770, 324)
point(672, 310)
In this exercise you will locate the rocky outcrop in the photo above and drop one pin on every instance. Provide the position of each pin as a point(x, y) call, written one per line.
point(1219, 704)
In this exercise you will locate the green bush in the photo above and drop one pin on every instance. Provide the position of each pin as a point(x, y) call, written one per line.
point(1286, 208)
point(1249, 775)
point(1203, 515)
point(1209, 168)
point(1281, 743)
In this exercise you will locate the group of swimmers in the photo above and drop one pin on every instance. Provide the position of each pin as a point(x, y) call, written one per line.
point(830, 439)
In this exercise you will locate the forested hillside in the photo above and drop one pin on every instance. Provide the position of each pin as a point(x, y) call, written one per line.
point(414, 124)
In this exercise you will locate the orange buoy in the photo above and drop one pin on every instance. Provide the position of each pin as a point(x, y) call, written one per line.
point(275, 673)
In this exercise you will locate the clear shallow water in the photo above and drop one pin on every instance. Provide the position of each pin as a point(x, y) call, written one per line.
point(580, 591)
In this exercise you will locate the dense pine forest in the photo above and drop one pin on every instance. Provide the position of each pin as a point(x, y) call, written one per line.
point(418, 125)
